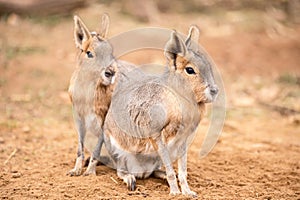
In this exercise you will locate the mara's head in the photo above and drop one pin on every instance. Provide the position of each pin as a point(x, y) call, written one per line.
point(186, 59)
point(96, 53)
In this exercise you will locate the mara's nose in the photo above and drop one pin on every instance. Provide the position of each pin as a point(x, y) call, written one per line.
point(214, 90)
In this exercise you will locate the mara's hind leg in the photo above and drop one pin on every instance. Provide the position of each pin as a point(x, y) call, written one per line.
point(123, 174)
point(129, 179)
point(95, 158)
point(80, 127)
point(161, 174)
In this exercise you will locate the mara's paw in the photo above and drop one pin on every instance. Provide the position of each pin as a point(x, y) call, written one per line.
point(174, 193)
point(130, 182)
point(74, 172)
point(174, 190)
point(89, 173)
point(91, 169)
point(189, 193)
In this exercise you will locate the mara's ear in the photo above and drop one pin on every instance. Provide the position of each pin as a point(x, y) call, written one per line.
point(193, 38)
point(104, 25)
point(175, 46)
point(81, 33)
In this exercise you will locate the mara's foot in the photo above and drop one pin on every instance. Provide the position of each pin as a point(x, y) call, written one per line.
point(130, 182)
point(190, 193)
point(74, 172)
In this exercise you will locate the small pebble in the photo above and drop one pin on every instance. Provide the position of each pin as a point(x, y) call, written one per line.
point(16, 175)
point(13, 19)
point(68, 196)
point(26, 159)
point(26, 129)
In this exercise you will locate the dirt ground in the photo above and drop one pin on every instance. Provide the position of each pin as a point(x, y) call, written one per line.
point(256, 157)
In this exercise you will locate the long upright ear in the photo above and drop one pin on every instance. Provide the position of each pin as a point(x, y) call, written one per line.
point(193, 38)
point(81, 33)
point(104, 25)
point(175, 46)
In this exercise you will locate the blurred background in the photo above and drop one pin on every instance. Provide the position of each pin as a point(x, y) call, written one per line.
point(255, 45)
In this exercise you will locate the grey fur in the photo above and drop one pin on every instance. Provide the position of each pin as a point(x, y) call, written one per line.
point(152, 120)
point(97, 67)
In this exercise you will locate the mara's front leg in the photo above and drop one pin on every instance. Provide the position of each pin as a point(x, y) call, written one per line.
point(80, 127)
point(95, 158)
point(182, 174)
point(165, 157)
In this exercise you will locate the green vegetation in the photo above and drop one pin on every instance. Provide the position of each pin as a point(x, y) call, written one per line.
point(289, 79)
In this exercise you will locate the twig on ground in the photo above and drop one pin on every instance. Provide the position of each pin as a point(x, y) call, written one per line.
point(10, 156)
point(284, 111)
point(114, 180)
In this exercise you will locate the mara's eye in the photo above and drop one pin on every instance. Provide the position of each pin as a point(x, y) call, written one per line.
point(108, 74)
point(89, 54)
point(190, 70)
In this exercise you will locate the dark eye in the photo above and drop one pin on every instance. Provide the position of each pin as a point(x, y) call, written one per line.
point(190, 70)
point(108, 74)
point(89, 54)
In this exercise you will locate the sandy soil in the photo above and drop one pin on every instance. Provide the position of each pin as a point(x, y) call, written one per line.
point(256, 157)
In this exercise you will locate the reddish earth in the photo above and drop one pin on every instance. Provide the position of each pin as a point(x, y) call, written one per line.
point(256, 157)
